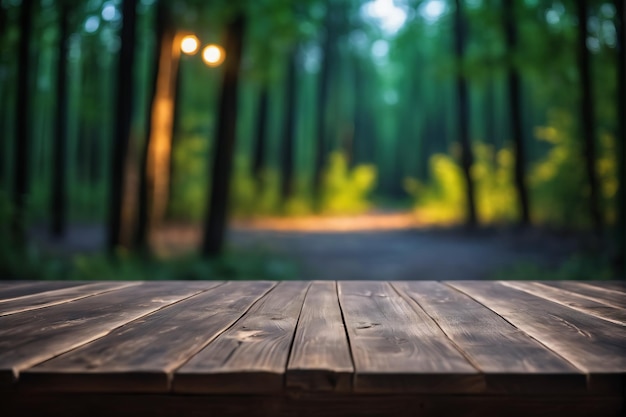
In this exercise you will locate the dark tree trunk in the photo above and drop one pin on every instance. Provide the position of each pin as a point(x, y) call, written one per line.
point(4, 97)
point(516, 114)
point(289, 130)
point(142, 227)
point(224, 151)
point(621, 137)
point(587, 117)
point(322, 100)
point(22, 128)
point(88, 138)
point(258, 158)
point(176, 123)
point(490, 111)
point(467, 158)
point(123, 117)
point(59, 171)
point(358, 135)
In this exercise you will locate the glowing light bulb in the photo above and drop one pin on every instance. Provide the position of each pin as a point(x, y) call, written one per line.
point(189, 44)
point(213, 55)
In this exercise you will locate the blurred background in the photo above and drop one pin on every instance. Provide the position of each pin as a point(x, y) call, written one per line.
point(312, 139)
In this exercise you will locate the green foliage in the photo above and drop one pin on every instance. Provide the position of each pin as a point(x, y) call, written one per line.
point(443, 199)
point(557, 182)
point(254, 197)
point(188, 198)
point(493, 175)
point(345, 190)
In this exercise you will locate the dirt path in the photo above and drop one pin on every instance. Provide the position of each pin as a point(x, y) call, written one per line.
point(387, 246)
point(377, 246)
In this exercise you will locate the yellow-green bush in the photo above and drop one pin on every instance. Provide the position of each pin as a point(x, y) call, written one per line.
point(557, 184)
point(344, 190)
point(560, 190)
point(496, 199)
point(443, 198)
point(347, 191)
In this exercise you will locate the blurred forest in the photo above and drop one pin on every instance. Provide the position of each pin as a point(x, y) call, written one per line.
point(482, 113)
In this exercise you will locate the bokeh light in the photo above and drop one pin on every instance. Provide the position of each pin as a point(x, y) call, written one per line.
point(189, 44)
point(213, 55)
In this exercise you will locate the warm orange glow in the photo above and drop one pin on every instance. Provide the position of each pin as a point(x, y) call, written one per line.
point(213, 55)
point(189, 44)
point(336, 224)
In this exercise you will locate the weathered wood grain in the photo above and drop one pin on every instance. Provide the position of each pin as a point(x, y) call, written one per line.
point(252, 355)
point(573, 300)
point(591, 344)
point(593, 292)
point(59, 296)
point(619, 286)
point(32, 337)
point(324, 404)
point(320, 356)
point(140, 356)
point(14, 289)
point(511, 360)
point(396, 348)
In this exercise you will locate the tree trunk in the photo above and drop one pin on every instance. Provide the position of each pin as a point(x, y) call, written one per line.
point(322, 99)
point(123, 118)
point(22, 128)
point(289, 130)
point(587, 118)
point(463, 103)
point(258, 161)
point(358, 132)
point(59, 174)
point(516, 114)
point(621, 137)
point(490, 112)
point(217, 206)
point(155, 152)
point(4, 98)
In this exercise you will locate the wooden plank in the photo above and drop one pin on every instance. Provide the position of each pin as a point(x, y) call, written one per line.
point(512, 361)
point(32, 337)
point(398, 349)
point(15, 289)
point(593, 292)
point(573, 300)
point(141, 356)
point(19, 404)
point(252, 355)
point(320, 357)
point(60, 296)
point(591, 344)
point(614, 285)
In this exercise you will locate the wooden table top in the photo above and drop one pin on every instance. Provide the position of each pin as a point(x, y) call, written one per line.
point(365, 337)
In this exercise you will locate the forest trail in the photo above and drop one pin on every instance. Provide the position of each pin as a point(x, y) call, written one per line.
point(368, 247)
point(384, 245)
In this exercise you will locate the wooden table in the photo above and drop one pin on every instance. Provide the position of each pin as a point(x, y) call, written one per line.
point(319, 348)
